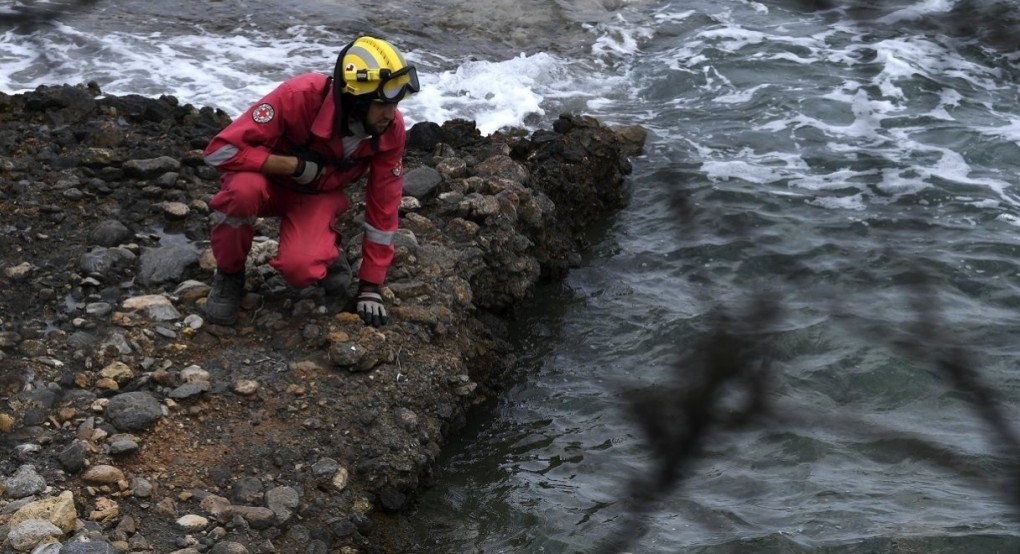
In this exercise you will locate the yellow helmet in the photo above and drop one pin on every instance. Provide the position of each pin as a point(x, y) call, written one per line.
point(374, 68)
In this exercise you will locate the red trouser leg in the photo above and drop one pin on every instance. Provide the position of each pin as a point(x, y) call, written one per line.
point(307, 238)
point(242, 198)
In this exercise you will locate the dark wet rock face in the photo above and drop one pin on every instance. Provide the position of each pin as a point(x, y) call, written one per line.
point(131, 424)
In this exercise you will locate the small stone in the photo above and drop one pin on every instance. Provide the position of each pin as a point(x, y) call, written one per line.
point(103, 475)
point(141, 488)
point(106, 510)
point(340, 479)
point(117, 371)
point(123, 444)
point(228, 547)
point(19, 272)
point(190, 390)
point(176, 210)
point(192, 522)
point(28, 534)
point(133, 411)
point(72, 458)
point(194, 373)
point(324, 467)
point(24, 482)
point(282, 501)
point(6, 423)
point(246, 387)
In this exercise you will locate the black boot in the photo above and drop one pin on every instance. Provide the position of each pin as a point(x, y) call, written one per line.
point(338, 277)
point(224, 301)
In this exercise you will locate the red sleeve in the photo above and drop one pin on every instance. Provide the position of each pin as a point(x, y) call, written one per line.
point(245, 144)
point(382, 205)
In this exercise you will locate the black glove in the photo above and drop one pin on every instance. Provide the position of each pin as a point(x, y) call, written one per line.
point(309, 167)
point(370, 306)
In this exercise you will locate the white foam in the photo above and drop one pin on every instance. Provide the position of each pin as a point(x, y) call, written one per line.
point(493, 94)
point(740, 96)
point(617, 39)
point(232, 71)
point(917, 11)
point(855, 202)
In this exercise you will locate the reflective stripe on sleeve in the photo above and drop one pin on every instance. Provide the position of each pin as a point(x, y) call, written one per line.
point(384, 238)
point(221, 155)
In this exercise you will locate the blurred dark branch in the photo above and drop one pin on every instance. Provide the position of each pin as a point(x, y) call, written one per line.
point(695, 407)
point(723, 385)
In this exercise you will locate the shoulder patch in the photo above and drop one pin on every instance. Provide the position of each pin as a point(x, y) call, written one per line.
point(263, 113)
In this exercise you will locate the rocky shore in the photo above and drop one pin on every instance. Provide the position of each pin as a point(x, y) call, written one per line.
point(129, 424)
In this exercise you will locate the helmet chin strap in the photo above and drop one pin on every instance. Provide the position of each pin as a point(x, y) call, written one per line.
point(359, 113)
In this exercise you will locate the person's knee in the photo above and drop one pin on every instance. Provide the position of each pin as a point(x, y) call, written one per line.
point(240, 195)
point(299, 271)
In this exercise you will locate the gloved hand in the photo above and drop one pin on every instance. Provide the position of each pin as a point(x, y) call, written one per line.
point(309, 167)
point(370, 306)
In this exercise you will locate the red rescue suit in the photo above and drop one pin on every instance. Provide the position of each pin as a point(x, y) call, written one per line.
point(301, 114)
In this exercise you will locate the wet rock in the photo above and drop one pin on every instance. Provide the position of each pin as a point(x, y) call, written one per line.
point(191, 290)
point(282, 501)
point(104, 262)
point(424, 136)
point(152, 167)
point(246, 490)
point(347, 354)
point(123, 444)
point(141, 488)
point(91, 547)
point(325, 467)
point(72, 458)
point(64, 104)
point(133, 411)
point(83, 339)
point(190, 390)
point(51, 548)
point(255, 516)
point(165, 264)
point(26, 535)
point(228, 547)
point(422, 182)
point(24, 482)
point(392, 500)
point(364, 524)
point(109, 233)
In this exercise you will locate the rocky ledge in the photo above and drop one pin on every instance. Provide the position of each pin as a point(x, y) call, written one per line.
point(128, 424)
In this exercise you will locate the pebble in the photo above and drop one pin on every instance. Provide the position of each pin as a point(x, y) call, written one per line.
point(192, 522)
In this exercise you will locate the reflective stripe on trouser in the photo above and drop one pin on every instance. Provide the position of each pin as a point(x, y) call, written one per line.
point(307, 238)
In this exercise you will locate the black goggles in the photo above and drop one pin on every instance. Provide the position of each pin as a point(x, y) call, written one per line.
point(394, 85)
